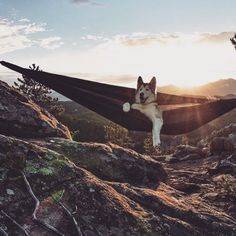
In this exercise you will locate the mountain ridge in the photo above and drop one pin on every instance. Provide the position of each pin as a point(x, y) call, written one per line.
point(222, 87)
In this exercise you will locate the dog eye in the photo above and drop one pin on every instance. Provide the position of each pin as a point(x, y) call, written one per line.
point(147, 89)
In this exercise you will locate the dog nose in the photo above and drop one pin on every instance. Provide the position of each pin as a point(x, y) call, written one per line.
point(141, 95)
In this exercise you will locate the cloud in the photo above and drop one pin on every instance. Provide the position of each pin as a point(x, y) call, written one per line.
point(87, 2)
point(134, 39)
point(24, 20)
point(94, 37)
point(15, 35)
point(34, 28)
point(176, 58)
point(215, 37)
point(81, 1)
point(51, 43)
point(117, 79)
point(142, 39)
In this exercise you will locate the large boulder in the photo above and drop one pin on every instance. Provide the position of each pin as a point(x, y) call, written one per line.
point(109, 162)
point(103, 208)
point(21, 117)
point(221, 144)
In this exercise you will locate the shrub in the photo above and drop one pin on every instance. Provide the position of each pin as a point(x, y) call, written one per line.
point(226, 183)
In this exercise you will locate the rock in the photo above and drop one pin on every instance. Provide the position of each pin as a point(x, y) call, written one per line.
point(232, 209)
point(183, 220)
point(188, 188)
point(10, 191)
point(228, 131)
point(189, 157)
point(225, 166)
point(221, 144)
point(232, 138)
point(21, 117)
point(183, 150)
point(110, 162)
point(186, 153)
point(211, 196)
point(228, 145)
point(160, 158)
point(104, 207)
point(206, 151)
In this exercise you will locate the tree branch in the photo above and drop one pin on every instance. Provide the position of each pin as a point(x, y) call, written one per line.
point(37, 204)
point(3, 232)
point(70, 214)
point(14, 222)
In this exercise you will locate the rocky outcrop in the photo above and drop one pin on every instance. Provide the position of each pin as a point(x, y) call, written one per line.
point(110, 162)
point(185, 153)
point(108, 190)
point(227, 133)
point(20, 117)
point(103, 207)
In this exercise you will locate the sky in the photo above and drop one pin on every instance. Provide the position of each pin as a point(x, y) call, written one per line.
point(184, 42)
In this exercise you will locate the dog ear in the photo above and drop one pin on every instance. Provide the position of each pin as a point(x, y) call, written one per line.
point(153, 84)
point(140, 81)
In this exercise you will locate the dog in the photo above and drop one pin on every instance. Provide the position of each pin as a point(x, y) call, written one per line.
point(145, 102)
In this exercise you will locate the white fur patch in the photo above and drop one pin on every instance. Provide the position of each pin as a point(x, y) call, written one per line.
point(155, 115)
point(126, 107)
point(156, 130)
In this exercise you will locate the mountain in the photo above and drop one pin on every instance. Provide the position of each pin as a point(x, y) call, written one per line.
point(221, 87)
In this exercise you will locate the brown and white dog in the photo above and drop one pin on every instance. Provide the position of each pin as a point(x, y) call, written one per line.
point(145, 102)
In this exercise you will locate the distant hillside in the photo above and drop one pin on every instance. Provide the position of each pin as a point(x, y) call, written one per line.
point(223, 87)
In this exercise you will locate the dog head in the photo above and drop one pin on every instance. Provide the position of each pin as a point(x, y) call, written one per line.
point(145, 92)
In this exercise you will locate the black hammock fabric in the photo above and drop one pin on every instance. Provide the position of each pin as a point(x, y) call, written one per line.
point(107, 100)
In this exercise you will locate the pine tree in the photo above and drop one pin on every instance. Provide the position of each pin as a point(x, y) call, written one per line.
point(38, 92)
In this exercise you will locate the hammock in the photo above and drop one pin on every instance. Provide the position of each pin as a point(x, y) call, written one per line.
point(107, 100)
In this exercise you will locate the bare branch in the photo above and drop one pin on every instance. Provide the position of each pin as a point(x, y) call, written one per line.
point(70, 214)
point(14, 222)
point(37, 204)
point(3, 232)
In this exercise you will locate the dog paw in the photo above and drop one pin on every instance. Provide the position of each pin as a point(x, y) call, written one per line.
point(126, 107)
point(157, 147)
point(157, 144)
